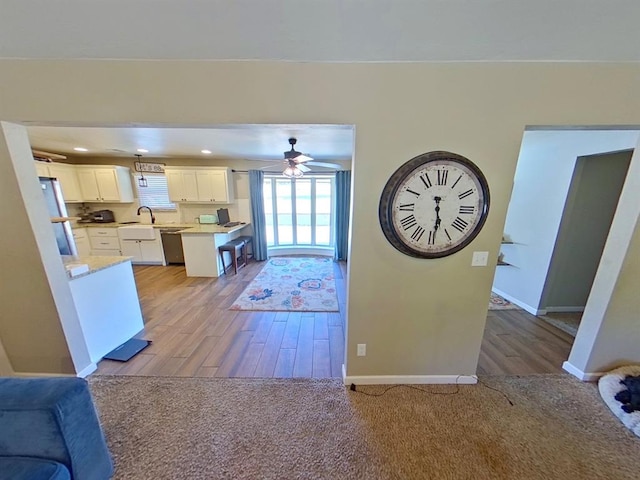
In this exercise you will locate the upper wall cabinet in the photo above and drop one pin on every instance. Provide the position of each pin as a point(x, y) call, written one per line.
point(42, 169)
point(200, 184)
point(67, 177)
point(182, 185)
point(110, 184)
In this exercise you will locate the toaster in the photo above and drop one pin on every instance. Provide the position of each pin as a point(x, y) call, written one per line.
point(103, 216)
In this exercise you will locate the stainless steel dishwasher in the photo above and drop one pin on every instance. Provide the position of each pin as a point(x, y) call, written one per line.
point(172, 245)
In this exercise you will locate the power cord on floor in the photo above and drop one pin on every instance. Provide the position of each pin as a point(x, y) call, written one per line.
point(353, 388)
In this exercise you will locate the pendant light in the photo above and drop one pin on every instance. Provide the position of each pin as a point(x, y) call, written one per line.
point(142, 182)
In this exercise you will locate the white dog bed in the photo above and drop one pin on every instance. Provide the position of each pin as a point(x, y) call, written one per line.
point(609, 386)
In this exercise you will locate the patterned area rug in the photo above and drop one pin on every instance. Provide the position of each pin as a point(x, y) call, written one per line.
point(295, 284)
point(496, 302)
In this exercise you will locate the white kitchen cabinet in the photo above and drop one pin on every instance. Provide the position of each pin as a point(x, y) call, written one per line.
point(182, 185)
point(81, 240)
point(68, 179)
point(104, 241)
point(42, 169)
point(212, 186)
point(110, 184)
point(144, 251)
point(199, 184)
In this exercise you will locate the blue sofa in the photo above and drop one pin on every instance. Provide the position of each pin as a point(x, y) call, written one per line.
point(49, 430)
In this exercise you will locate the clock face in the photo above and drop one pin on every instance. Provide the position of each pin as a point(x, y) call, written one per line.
point(434, 205)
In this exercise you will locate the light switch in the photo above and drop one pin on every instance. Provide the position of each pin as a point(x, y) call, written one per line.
point(480, 259)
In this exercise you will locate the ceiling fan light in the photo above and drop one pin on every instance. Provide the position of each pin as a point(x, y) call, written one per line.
point(292, 172)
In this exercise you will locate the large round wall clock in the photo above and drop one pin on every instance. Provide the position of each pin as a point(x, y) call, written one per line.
point(434, 205)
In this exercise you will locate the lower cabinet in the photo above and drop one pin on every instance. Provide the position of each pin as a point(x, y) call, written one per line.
point(81, 240)
point(143, 251)
point(104, 241)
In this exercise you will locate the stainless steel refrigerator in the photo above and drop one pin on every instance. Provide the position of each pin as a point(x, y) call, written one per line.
point(57, 209)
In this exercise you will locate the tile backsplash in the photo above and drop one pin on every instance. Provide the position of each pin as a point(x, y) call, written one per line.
point(240, 210)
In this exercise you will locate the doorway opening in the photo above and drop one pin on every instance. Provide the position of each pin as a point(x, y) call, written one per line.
point(566, 190)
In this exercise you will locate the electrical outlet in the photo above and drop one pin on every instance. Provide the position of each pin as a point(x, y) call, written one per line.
point(480, 259)
point(362, 349)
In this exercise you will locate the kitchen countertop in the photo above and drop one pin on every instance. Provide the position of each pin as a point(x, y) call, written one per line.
point(192, 228)
point(212, 228)
point(117, 224)
point(95, 263)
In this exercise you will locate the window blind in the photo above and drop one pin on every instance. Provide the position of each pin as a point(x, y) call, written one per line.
point(156, 193)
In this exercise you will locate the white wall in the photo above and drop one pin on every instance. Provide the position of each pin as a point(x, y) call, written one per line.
point(541, 184)
point(609, 333)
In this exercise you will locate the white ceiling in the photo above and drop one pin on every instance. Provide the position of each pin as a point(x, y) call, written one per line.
point(323, 31)
point(251, 142)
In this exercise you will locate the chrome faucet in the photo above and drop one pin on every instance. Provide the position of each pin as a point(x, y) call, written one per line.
point(153, 219)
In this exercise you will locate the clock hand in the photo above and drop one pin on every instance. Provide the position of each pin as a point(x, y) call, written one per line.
point(438, 220)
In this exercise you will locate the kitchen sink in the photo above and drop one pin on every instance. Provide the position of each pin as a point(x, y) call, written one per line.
point(137, 232)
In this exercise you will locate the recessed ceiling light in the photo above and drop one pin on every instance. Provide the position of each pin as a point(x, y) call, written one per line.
point(143, 150)
point(80, 149)
point(206, 152)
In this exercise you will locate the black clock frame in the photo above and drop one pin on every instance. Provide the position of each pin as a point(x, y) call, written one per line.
point(385, 209)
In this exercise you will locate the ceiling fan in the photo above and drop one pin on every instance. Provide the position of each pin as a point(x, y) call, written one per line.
point(296, 162)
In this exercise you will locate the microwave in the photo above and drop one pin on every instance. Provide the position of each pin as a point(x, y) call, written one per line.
point(103, 216)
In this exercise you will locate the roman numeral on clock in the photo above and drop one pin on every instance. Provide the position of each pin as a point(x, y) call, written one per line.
point(442, 177)
point(456, 182)
point(408, 222)
point(432, 238)
point(447, 234)
point(465, 194)
point(406, 207)
point(425, 179)
point(466, 210)
point(417, 234)
point(459, 224)
point(411, 191)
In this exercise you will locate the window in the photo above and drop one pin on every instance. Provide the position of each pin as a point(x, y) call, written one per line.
point(156, 193)
point(299, 211)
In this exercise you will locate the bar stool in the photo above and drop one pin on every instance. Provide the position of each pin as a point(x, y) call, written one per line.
point(236, 248)
point(248, 240)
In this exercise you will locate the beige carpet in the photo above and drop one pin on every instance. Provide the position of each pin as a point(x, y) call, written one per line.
point(175, 428)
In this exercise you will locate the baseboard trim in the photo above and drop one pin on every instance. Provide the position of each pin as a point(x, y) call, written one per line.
point(515, 301)
point(88, 370)
point(409, 379)
point(564, 309)
point(579, 374)
point(43, 375)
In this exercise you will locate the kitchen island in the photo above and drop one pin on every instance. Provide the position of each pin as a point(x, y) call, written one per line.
point(106, 298)
point(200, 246)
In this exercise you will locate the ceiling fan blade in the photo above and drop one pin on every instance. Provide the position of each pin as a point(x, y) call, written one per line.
point(303, 168)
point(326, 165)
point(302, 158)
point(271, 165)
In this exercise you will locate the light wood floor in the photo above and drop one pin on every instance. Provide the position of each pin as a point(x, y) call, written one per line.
point(194, 333)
